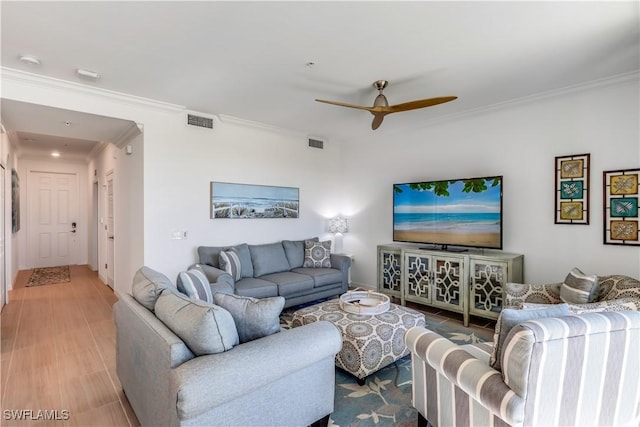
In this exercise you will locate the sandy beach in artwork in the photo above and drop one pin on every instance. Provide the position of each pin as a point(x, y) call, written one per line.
point(467, 239)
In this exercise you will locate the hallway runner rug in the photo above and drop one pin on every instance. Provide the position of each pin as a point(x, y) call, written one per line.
point(49, 276)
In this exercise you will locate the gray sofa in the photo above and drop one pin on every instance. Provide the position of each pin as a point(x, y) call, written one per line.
point(276, 269)
point(282, 379)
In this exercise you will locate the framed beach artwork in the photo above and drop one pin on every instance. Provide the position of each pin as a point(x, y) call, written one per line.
point(572, 189)
point(621, 207)
point(240, 201)
point(15, 201)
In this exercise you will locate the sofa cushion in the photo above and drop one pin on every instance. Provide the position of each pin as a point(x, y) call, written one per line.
point(321, 276)
point(147, 286)
point(317, 254)
point(205, 328)
point(578, 288)
point(194, 284)
point(290, 283)
point(257, 288)
point(254, 317)
point(268, 258)
point(294, 249)
point(510, 317)
point(230, 262)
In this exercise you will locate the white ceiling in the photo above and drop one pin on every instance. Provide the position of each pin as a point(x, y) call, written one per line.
point(249, 59)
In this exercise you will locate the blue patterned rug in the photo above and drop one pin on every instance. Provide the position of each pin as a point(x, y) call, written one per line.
point(385, 398)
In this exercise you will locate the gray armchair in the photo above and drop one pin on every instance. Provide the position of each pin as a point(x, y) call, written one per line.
point(575, 370)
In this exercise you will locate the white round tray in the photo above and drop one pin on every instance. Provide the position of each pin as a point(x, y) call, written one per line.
point(364, 302)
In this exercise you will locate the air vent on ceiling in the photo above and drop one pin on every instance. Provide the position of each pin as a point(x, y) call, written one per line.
point(316, 143)
point(203, 122)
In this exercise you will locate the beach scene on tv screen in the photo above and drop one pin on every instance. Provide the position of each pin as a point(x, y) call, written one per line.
point(458, 212)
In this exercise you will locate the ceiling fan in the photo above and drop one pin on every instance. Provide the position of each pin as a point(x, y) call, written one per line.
point(381, 106)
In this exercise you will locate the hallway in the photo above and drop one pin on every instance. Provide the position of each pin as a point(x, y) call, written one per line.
point(58, 355)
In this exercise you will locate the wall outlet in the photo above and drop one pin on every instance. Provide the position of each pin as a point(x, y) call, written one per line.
point(179, 235)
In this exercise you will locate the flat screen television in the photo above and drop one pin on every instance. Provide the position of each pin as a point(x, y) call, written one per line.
point(456, 212)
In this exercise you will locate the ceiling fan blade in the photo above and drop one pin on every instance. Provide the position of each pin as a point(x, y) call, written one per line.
point(421, 103)
point(343, 104)
point(377, 121)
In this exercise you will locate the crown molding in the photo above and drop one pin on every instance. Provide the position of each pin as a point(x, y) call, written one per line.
point(593, 84)
point(131, 132)
point(257, 125)
point(22, 77)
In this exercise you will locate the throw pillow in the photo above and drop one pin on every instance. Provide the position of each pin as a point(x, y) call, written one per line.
point(317, 254)
point(578, 288)
point(205, 328)
point(194, 284)
point(254, 317)
point(510, 317)
point(230, 262)
point(147, 286)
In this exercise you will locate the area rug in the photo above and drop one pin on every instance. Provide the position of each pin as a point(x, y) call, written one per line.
point(385, 398)
point(49, 276)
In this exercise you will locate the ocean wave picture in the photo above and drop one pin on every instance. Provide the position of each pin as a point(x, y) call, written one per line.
point(253, 201)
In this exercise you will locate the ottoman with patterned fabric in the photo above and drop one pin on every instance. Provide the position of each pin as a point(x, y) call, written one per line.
point(370, 342)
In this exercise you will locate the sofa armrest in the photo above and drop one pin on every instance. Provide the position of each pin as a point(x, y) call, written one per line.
point(146, 351)
point(463, 370)
point(516, 294)
point(209, 381)
point(340, 262)
point(217, 277)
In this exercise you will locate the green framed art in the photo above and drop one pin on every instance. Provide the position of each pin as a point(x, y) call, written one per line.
point(621, 215)
point(572, 189)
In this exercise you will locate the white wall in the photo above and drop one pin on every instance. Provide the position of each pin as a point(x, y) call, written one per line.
point(180, 166)
point(519, 142)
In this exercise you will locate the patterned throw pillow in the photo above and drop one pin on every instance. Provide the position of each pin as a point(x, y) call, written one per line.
point(194, 284)
point(317, 254)
point(510, 317)
point(230, 262)
point(578, 288)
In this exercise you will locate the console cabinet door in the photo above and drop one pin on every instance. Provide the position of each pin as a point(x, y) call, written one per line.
point(449, 283)
point(417, 273)
point(390, 271)
point(488, 278)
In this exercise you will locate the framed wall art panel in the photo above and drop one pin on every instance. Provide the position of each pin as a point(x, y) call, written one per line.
point(253, 201)
point(572, 189)
point(621, 207)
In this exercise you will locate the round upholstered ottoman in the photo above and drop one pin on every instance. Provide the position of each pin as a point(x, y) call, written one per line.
point(370, 342)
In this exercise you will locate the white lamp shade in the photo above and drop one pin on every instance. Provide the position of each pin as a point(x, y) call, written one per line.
point(338, 225)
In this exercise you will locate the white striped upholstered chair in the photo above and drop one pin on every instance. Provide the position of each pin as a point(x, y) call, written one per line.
point(576, 370)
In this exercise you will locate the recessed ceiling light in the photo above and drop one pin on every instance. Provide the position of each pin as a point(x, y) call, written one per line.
point(55, 154)
point(29, 59)
point(87, 75)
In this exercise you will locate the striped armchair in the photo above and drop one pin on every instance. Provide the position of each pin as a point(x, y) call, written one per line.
point(576, 370)
point(615, 293)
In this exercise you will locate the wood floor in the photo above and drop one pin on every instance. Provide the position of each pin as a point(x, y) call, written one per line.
point(58, 355)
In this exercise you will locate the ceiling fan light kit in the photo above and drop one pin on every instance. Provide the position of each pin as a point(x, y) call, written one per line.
point(381, 106)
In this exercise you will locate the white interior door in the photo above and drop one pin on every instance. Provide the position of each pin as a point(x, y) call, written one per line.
point(110, 234)
point(53, 207)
